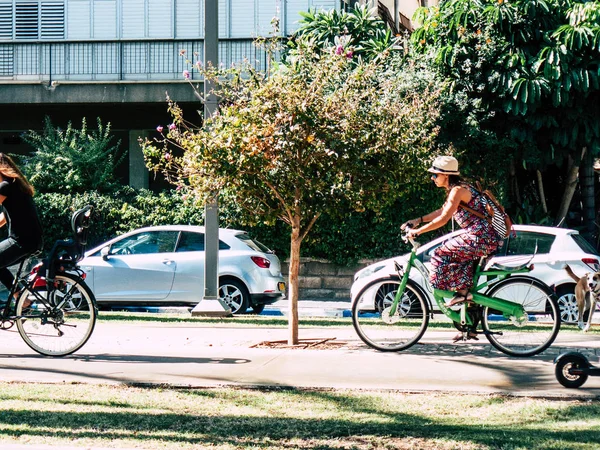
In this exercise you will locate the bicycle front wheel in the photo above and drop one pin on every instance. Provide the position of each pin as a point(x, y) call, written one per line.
point(60, 321)
point(380, 329)
point(518, 336)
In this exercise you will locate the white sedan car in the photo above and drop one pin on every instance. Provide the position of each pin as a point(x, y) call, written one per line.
point(551, 248)
point(164, 265)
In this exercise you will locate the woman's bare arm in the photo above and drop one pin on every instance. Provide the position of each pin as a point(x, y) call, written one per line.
point(457, 195)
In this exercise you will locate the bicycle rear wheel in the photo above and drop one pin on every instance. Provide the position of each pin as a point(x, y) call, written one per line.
point(382, 331)
point(58, 323)
point(523, 337)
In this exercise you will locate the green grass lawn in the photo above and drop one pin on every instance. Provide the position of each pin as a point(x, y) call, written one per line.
point(275, 321)
point(118, 416)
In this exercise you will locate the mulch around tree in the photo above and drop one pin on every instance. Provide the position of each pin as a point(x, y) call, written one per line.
point(310, 343)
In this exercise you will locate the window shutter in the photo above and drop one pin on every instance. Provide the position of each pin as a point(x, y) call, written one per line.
point(293, 14)
point(322, 4)
point(6, 20)
point(27, 20)
point(133, 19)
point(53, 20)
point(223, 18)
point(105, 19)
point(160, 18)
point(242, 19)
point(188, 15)
point(79, 20)
point(266, 10)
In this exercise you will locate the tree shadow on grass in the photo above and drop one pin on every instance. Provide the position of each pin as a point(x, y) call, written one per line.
point(264, 431)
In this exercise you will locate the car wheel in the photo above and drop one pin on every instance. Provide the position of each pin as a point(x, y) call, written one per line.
point(257, 309)
point(235, 295)
point(567, 304)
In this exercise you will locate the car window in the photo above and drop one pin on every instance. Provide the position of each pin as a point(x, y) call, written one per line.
point(253, 243)
point(525, 243)
point(145, 243)
point(194, 242)
point(583, 244)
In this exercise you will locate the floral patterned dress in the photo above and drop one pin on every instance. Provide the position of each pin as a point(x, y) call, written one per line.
point(453, 262)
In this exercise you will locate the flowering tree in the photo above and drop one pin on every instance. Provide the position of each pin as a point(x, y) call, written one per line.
point(317, 135)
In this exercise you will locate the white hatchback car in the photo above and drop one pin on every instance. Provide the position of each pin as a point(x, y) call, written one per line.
point(552, 249)
point(164, 265)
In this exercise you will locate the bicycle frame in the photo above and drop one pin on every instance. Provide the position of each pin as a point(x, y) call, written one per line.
point(28, 282)
point(509, 309)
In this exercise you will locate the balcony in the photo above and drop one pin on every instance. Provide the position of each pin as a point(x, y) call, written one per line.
point(115, 61)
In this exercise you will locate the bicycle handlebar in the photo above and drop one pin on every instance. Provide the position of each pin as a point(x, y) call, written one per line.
point(405, 238)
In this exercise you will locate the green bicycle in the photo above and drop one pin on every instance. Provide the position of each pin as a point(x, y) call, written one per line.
point(518, 314)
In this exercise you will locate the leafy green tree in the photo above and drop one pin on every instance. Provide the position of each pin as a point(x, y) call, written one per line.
point(533, 65)
point(73, 160)
point(314, 137)
point(358, 33)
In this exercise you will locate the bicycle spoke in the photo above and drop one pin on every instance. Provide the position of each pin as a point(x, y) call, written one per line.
point(378, 327)
point(58, 323)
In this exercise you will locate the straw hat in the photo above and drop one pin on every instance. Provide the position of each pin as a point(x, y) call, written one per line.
point(448, 165)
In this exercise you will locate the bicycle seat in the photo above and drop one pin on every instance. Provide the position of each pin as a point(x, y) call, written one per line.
point(65, 254)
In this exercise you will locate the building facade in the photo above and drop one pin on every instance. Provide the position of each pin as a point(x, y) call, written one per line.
point(118, 59)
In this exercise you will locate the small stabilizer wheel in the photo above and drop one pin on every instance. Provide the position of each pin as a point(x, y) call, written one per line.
point(563, 374)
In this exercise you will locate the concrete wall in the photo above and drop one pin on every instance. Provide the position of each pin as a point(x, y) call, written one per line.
point(99, 92)
point(322, 280)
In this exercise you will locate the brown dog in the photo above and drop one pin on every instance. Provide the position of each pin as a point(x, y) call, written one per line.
point(587, 291)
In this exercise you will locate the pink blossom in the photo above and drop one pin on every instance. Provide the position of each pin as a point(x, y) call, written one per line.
point(186, 74)
point(179, 187)
point(172, 126)
point(159, 128)
point(339, 50)
point(349, 54)
point(167, 156)
point(181, 52)
point(199, 64)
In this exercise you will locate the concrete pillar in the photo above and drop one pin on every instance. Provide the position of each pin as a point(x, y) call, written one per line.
point(211, 305)
point(138, 173)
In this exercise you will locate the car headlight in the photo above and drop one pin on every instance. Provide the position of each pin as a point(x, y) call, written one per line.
point(368, 271)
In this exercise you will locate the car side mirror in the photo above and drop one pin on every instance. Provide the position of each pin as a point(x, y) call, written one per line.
point(104, 252)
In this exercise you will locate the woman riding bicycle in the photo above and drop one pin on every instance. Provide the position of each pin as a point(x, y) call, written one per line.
point(453, 262)
point(24, 229)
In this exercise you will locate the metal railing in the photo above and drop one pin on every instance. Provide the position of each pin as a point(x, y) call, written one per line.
point(123, 60)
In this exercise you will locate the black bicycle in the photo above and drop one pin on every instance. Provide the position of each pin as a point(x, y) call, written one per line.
point(54, 310)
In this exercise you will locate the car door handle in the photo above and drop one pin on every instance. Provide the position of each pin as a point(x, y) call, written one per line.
point(168, 261)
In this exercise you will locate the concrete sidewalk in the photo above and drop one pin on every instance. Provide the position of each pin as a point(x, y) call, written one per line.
point(197, 355)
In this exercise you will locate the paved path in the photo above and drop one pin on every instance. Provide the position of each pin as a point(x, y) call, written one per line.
point(199, 355)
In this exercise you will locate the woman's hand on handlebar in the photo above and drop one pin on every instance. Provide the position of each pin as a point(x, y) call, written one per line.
point(411, 234)
point(410, 224)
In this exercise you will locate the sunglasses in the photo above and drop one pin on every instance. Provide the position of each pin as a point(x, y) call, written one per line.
point(434, 175)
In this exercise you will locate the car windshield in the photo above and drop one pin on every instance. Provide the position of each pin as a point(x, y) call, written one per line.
point(583, 244)
point(253, 243)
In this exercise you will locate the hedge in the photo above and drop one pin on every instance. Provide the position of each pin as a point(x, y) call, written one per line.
point(369, 234)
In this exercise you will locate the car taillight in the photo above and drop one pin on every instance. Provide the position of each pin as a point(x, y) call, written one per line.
point(591, 262)
point(261, 262)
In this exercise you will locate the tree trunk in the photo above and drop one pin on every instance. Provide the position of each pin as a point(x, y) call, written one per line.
point(540, 183)
point(586, 176)
point(293, 290)
point(570, 185)
point(514, 183)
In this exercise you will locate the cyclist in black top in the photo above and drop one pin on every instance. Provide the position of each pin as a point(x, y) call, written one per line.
point(24, 228)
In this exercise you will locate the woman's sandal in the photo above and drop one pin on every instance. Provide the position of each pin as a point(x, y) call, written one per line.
point(471, 335)
point(459, 298)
